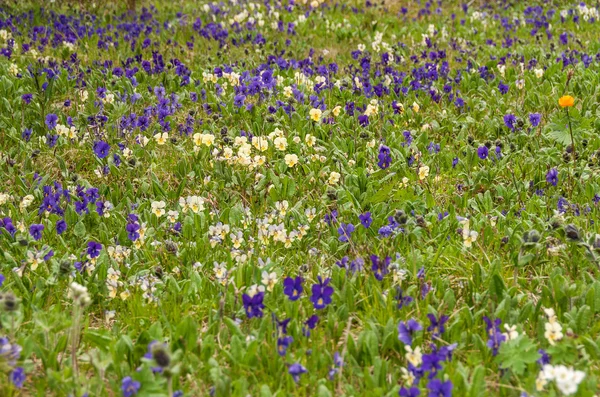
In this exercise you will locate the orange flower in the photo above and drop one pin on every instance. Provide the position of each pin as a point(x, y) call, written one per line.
point(566, 101)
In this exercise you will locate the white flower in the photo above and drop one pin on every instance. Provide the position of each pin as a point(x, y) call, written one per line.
point(334, 178)
point(511, 332)
point(315, 114)
point(413, 356)
point(539, 73)
point(161, 139)
point(423, 172)
point(158, 208)
point(269, 279)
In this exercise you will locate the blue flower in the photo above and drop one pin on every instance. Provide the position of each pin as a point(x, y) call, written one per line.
point(482, 152)
point(17, 377)
point(407, 329)
point(412, 392)
point(365, 219)
point(101, 149)
point(321, 294)
point(293, 288)
point(509, 121)
point(437, 326)
point(130, 387)
point(254, 305)
point(51, 121)
point(296, 370)
point(437, 388)
point(93, 249)
point(534, 119)
point(61, 226)
point(35, 231)
point(345, 230)
point(385, 157)
point(379, 266)
point(552, 177)
point(283, 343)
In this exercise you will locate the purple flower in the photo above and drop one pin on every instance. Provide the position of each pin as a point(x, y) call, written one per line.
point(293, 288)
point(509, 121)
point(27, 98)
point(412, 392)
point(2, 278)
point(482, 152)
point(35, 231)
point(495, 335)
point(437, 388)
point(61, 226)
point(17, 377)
point(296, 370)
point(132, 231)
point(345, 230)
point(402, 300)
point(365, 219)
point(379, 266)
point(51, 121)
point(26, 135)
point(363, 120)
point(437, 326)
point(130, 387)
point(385, 157)
point(321, 293)
point(407, 329)
point(503, 88)
point(311, 323)
point(101, 149)
point(534, 119)
point(283, 344)
point(93, 249)
point(238, 100)
point(254, 305)
point(552, 176)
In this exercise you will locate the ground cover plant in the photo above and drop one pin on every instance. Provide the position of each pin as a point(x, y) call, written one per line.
point(311, 198)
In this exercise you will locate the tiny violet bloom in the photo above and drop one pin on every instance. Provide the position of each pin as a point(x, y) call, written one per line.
point(130, 387)
point(35, 231)
point(51, 121)
point(437, 388)
point(384, 156)
point(552, 177)
point(283, 343)
point(534, 119)
point(101, 149)
point(411, 392)
point(482, 152)
point(345, 230)
point(254, 305)
point(321, 294)
point(17, 377)
point(93, 249)
point(510, 120)
point(365, 219)
point(292, 287)
point(296, 370)
point(437, 326)
point(407, 329)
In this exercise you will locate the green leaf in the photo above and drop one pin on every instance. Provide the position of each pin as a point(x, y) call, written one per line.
point(517, 354)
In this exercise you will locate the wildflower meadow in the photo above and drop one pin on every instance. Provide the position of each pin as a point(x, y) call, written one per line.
point(299, 198)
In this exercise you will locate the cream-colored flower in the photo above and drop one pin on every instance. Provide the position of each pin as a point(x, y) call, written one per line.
point(291, 160)
point(269, 280)
point(161, 138)
point(423, 172)
point(315, 114)
point(415, 357)
point(158, 208)
point(334, 178)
